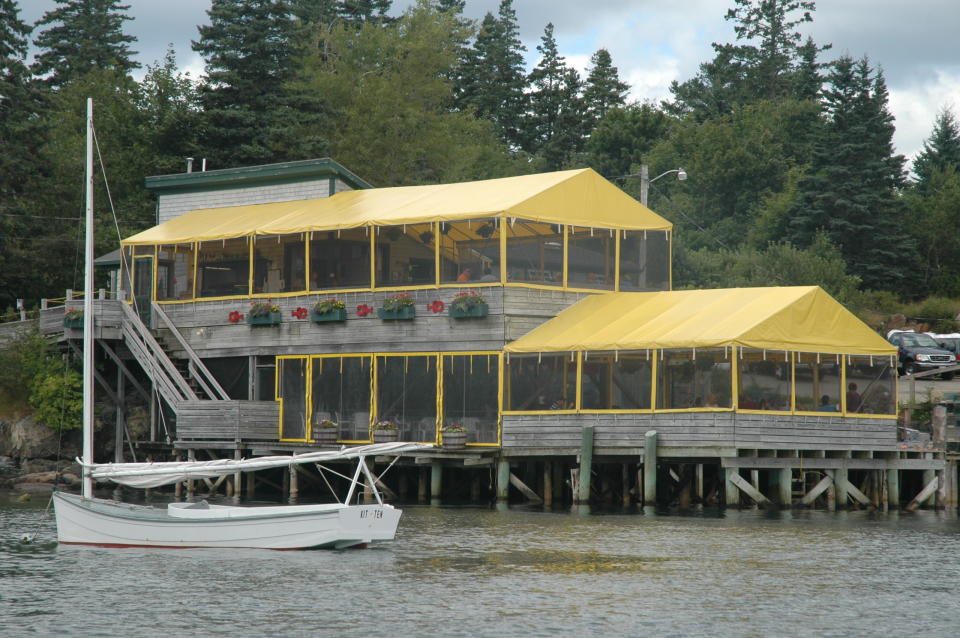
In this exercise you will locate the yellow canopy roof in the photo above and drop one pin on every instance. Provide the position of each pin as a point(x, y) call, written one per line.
point(799, 318)
point(578, 197)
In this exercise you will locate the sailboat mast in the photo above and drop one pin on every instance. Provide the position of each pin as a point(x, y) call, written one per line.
point(88, 313)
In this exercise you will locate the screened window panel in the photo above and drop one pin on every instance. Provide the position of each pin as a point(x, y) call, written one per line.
point(817, 382)
point(535, 382)
point(535, 253)
point(470, 385)
point(232, 373)
point(644, 260)
point(279, 264)
point(470, 251)
point(407, 395)
point(264, 379)
point(223, 268)
point(871, 385)
point(688, 378)
point(406, 256)
point(764, 380)
point(175, 272)
point(340, 259)
point(341, 393)
point(591, 256)
point(292, 391)
point(616, 382)
point(126, 275)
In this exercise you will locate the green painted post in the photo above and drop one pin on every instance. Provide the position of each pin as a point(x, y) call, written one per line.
point(436, 482)
point(503, 480)
point(586, 464)
point(893, 488)
point(731, 491)
point(785, 487)
point(650, 468)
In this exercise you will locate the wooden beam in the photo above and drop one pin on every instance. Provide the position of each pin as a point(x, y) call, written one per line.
point(123, 369)
point(478, 460)
point(924, 494)
point(817, 490)
point(526, 491)
point(748, 489)
point(857, 495)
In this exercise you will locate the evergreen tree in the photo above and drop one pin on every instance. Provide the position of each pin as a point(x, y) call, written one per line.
point(768, 63)
point(621, 140)
point(603, 89)
point(851, 190)
point(358, 12)
point(83, 35)
point(940, 151)
point(555, 122)
point(492, 77)
point(252, 114)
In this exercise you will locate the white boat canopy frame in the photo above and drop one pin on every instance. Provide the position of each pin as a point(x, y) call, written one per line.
point(146, 475)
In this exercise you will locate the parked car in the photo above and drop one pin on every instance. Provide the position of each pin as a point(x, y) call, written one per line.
point(919, 352)
point(949, 342)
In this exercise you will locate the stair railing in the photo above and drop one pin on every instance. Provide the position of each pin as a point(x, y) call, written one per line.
point(198, 371)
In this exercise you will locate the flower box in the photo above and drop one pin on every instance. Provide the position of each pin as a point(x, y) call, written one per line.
point(477, 312)
point(73, 322)
point(339, 314)
point(326, 436)
point(385, 436)
point(405, 312)
point(271, 319)
point(454, 440)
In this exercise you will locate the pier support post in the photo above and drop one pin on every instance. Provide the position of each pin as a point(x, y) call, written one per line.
point(586, 464)
point(785, 487)
point(650, 468)
point(436, 483)
point(191, 484)
point(832, 491)
point(929, 475)
point(547, 484)
point(893, 488)
point(731, 491)
point(625, 485)
point(295, 485)
point(503, 480)
point(840, 482)
point(422, 485)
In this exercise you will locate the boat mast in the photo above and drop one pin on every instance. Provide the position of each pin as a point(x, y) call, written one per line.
point(88, 314)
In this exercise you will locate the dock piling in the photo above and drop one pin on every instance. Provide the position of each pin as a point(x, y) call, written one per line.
point(650, 468)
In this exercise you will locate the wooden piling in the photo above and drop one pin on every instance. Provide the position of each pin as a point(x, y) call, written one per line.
point(547, 484)
point(294, 483)
point(731, 492)
point(586, 465)
point(841, 485)
point(436, 483)
point(930, 499)
point(650, 468)
point(422, 485)
point(785, 487)
point(625, 485)
point(191, 484)
point(503, 480)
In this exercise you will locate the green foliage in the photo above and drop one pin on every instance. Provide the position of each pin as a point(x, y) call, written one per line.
point(934, 215)
point(83, 36)
point(253, 114)
point(57, 399)
point(941, 151)
point(23, 359)
point(937, 312)
point(392, 95)
point(624, 136)
point(602, 89)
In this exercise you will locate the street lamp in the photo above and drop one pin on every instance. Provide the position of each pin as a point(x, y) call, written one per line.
point(645, 180)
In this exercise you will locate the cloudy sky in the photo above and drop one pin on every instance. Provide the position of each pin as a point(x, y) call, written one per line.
point(654, 42)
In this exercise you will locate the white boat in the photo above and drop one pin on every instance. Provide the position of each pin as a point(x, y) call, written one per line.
point(85, 520)
point(91, 521)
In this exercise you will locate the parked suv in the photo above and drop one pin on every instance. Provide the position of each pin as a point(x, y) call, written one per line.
point(919, 352)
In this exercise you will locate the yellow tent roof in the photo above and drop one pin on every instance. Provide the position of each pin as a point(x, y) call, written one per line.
point(799, 318)
point(578, 197)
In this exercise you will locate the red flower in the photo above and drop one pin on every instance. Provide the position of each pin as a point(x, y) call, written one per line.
point(436, 307)
point(300, 313)
point(234, 317)
point(363, 310)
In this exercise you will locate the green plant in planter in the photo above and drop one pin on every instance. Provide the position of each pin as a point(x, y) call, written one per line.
point(395, 303)
point(454, 428)
point(326, 306)
point(465, 301)
point(73, 314)
point(327, 423)
point(263, 308)
point(385, 424)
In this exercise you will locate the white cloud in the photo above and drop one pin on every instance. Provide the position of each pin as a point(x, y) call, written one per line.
point(916, 108)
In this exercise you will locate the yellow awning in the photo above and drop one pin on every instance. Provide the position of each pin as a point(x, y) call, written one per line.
point(578, 197)
point(799, 318)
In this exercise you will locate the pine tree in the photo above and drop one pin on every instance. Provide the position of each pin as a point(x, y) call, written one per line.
point(603, 89)
point(622, 139)
point(83, 35)
point(851, 190)
point(492, 77)
point(555, 122)
point(940, 150)
point(252, 114)
point(358, 12)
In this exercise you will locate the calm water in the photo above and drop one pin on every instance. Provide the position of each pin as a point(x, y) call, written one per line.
point(477, 572)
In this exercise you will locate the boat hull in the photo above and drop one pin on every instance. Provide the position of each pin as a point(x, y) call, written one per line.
point(112, 524)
